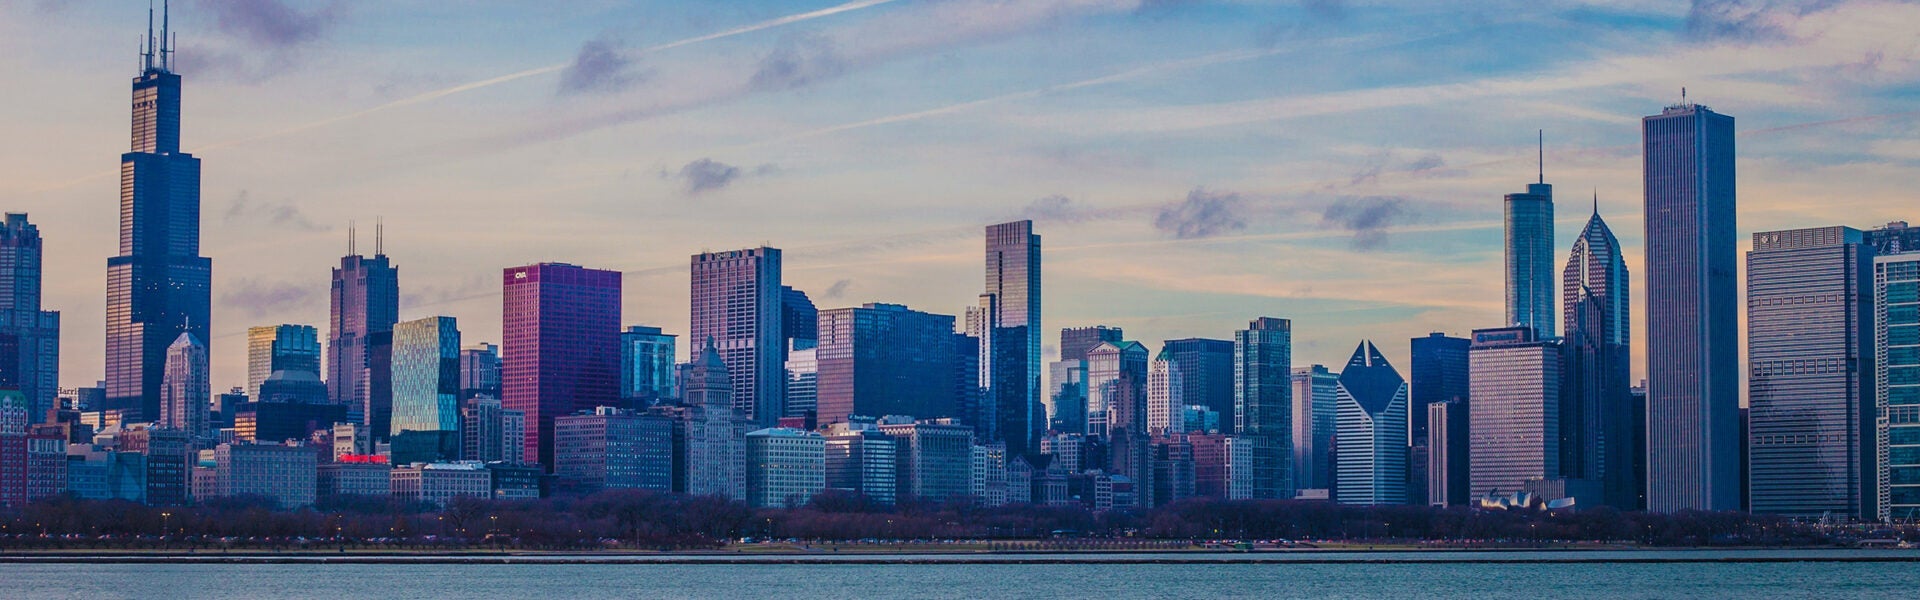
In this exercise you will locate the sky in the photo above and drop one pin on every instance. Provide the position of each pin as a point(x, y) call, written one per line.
point(1190, 164)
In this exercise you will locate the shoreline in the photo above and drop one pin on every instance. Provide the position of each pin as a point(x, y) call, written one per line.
point(1266, 557)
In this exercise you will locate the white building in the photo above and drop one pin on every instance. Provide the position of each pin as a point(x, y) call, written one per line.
point(439, 482)
point(1166, 396)
point(287, 474)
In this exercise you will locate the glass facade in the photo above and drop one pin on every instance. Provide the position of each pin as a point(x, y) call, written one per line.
point(1597, 432)
point(1514, 426)
point(1896, 330)
point(560, 349)
point(1316, 400)
point(885, 359)
point(426, 376)
point(613, 449)
point(738, 305)
point(365, 300)
point(159, 286)
point(36, 363)
point(1529, 268)
point(646, 366)
point(1206, 373)
point(1263, 402)
point(280, 348)
point(1693, 352)
point(1809, 347)
point(1010, 344)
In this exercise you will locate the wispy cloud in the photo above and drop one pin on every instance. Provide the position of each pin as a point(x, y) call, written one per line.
point(246, 211)
point(1204, 213)
point(706, 175)
point(256, 298)
point(600, 67)
point(1367, 218)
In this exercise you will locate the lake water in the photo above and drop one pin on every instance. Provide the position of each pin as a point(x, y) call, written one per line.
point(1286, 577)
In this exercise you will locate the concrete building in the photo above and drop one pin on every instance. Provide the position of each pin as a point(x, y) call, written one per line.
point(287, 474)
point(711, 437)
point(785, 467)
point(1316, 394)
point(1166, 396)
point(737, 309)
point(613, 448)
point(438, 483)
point(357, 478)
point(1514, 426)
point(185, 392)
point(1371, 444)
point(935, 458)
point(491, 433)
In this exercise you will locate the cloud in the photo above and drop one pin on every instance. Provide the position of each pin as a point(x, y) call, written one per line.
point(1061, 209)
point(706, 174)
point(798, 62)
point(244, 211)
point(256, 298)
point(1749, 21)
point(837, 290)
point(601, 66)
point(1331, 10)
point(273, 23)
point(1367, 217)
point(1203, 214)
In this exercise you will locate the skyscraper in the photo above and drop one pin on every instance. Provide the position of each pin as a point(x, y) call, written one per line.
point(186, 393)
point(884, 359)
point(1693, 354)
point(1597, 432)
point(1206, 374)
point(738, 305)
point(1166, 395)
point(280, 348)
point(1896, 367)
point(646, 366)
point(560, 349)
point(1371, 446)
point(1066, 400)
point(1809, 350)
point(33, 332)
point(1263, 402)
point(480, 371)
point(426, 390)
point(1316, 400)
point(799, 319)
point(1529, 269)
point(1514, 425)
point(158, 286)
point(1438, 373)
point(1010, 350)
point(1076, 341)
point(1111, 367)
point(365, 301)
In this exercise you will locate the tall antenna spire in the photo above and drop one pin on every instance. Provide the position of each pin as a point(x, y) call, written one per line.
point(1596, 202)
point(1543, 155)
point(166, 34)
point(350, 231)
point(379, 236)
point(147, 48)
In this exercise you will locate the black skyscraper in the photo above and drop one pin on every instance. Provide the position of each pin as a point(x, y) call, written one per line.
point(157, 288)
point(366, 304)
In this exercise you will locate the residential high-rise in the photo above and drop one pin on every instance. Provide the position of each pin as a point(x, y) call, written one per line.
point(1206, 373)
point(280, 348)
point(1111, 367)
point(1010, 347)
point(1316, 402)
point(1514, 424)
point(365, 302)
point(1597, 432)
point(186, 392)
point(646, 366)
point(560, 349)
point(1693, 353)
point(158, 287)
point(1166, 395)
point(885, 359)
point(1811, 426)
point(1263, 402)
point(1371, 446)
point(426, 391)
point(1529, 269)
point(1896, 368)
point(785, 467)
point(738, 304)
point(480, 371)
point(34, 333)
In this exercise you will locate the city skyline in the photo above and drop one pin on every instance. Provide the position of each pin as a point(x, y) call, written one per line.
point(286, 221)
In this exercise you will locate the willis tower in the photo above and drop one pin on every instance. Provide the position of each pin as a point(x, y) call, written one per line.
point(158, 286)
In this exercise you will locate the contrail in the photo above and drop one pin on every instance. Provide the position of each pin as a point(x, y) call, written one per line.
point(536, 71)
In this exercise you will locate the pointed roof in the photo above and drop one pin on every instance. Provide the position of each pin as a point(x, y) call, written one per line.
point(186, 340)
point(1370, 380)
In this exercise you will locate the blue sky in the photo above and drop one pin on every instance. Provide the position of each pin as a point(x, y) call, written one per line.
point(1191, 165)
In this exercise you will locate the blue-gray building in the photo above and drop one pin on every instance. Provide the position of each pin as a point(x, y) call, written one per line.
point(1008, 325)
point(1896, 324)
point(1597, 430)
point(1263, 402)
point(1809, 354)
point(1693, 342)
point(884, 359)
point(34, 334)
point(1437, 373)
point(426, 391)
point(612, 448)
point(159, 286)
point(1529, 268)
point(646, 366)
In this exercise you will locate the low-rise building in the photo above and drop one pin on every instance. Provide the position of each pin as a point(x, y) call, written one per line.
point(785, 467)
point(436, 483)
point(356, 478)
point(613, 449)
point(289, 475)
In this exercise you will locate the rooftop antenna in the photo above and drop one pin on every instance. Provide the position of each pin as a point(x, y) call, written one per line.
point(1683, 95)
point(1596, 202)
point(350, 230)
point(166, 42)
point(1543, 155)
point(146, 49)
point(379, 236)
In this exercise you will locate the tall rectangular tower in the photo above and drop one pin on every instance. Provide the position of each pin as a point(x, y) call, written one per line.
point(560, 346)
point(1010, 351)
point(426, 390)
point(737, 308)
point(158, 287)
point(1810, 351)
point(1514, 425)
point(1693, 354)
point(884, 359)
point(35, 371)
point(1896, 368)
point(1529, 268)
point(1263, 402)
point(365, 300)
point(1598, 435)
point(280, 348)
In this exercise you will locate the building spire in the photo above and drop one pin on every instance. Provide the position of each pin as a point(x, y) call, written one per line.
point(1543, 154)
point(157, 53)
point(1596, 202)
point(379, 236)
point(350, 232)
